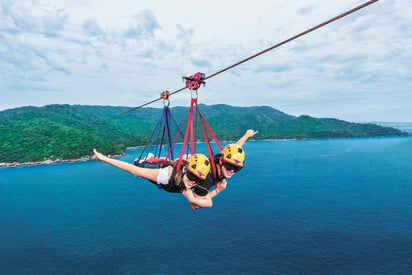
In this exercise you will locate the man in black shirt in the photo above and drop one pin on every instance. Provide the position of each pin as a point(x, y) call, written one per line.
point(227, 162)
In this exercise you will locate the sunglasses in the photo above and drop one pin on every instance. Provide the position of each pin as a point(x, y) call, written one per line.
point(194, 178)
point(231, 167)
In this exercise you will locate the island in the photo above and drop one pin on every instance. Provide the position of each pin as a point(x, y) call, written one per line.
point(62, 132)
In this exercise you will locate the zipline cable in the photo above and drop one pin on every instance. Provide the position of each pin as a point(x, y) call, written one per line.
point(135, 108)
point(294, 37)
point(253, 56)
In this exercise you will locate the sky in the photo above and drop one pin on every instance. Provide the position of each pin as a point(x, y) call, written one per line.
point(125, 52)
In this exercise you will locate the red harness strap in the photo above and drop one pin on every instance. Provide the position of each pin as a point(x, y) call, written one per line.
point(209, 129)
point(193, 83)
point(209, 147)
point(189, 127)
point(192, 129)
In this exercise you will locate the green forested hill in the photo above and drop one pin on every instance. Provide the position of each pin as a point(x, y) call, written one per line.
point(70, 131)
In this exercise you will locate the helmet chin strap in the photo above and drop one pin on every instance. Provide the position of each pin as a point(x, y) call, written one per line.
point(220, 171)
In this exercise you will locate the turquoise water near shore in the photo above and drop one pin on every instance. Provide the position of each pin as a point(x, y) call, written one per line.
point(339, 206)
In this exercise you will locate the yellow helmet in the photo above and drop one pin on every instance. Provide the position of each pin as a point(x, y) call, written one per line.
point(233, 154)
point(199, 166)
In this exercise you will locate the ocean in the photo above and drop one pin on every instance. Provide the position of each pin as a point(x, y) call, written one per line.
point(339, 206)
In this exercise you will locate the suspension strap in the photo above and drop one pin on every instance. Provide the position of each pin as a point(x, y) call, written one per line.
point(167, 129)
point(205, 126)
point(154, 136)
point(189, 127)
point(177, 136)
point(192, 129)
point(210, 130)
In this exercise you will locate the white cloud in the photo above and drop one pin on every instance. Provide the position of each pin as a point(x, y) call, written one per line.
point(127, 52)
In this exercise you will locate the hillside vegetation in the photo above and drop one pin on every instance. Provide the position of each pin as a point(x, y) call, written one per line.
point(61, 132)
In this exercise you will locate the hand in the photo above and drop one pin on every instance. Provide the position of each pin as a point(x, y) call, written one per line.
point(251, 133)
point(97, 156)
point(220, 186)
point(194, 206)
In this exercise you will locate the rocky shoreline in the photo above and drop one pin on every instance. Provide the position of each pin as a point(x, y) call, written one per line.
point(46, 162)
point(33, 163)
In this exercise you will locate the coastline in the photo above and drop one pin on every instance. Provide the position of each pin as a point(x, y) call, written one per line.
point(58, 161)
point(48, 162)
point(35, 163)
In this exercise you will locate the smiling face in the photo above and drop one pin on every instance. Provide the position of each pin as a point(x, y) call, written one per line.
point(227, 173)
point(189, 183)
point(228, 170)
point(190, 180)
point(232, 159)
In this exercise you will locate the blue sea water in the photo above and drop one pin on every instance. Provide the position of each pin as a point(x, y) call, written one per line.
point(339, 206)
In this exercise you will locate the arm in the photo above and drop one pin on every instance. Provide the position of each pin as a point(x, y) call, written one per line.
point(150, 174)
point(248, 134)
point(220, 186)
point(205, 201)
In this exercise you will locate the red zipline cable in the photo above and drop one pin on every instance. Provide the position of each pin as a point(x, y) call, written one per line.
point(253, 56)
